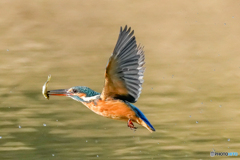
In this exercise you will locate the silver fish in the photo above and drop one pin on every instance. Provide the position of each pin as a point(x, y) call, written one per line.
point(44, 88)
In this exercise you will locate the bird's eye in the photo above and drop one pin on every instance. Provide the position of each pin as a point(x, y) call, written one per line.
point(74, 91)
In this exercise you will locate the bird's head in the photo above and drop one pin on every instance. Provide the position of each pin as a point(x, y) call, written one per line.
point(77, 93)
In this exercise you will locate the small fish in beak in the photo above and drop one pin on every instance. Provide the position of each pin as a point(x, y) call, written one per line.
point(44, 88)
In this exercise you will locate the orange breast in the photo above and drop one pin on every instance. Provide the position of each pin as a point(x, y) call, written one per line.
point(114, 109)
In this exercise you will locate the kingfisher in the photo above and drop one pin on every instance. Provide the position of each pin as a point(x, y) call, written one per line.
point(122, 85)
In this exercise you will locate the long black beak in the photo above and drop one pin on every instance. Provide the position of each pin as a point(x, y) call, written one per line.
point(59, 92)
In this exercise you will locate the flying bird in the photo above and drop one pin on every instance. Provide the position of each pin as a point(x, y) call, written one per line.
point(122, 86)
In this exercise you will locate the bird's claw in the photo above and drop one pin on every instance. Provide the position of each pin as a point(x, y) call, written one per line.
point(131, 125)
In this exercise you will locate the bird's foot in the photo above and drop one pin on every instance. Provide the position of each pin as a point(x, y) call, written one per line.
point(131, 125)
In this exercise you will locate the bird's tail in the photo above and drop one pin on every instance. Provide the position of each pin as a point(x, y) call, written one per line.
point(147, 125)
point(142, 119)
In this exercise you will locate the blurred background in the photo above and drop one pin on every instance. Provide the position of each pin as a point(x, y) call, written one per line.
point(190, 93)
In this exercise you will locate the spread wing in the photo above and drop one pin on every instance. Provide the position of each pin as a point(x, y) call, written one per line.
point(124, 71)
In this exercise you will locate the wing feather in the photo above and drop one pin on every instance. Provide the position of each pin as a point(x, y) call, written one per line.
point(124, 71)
